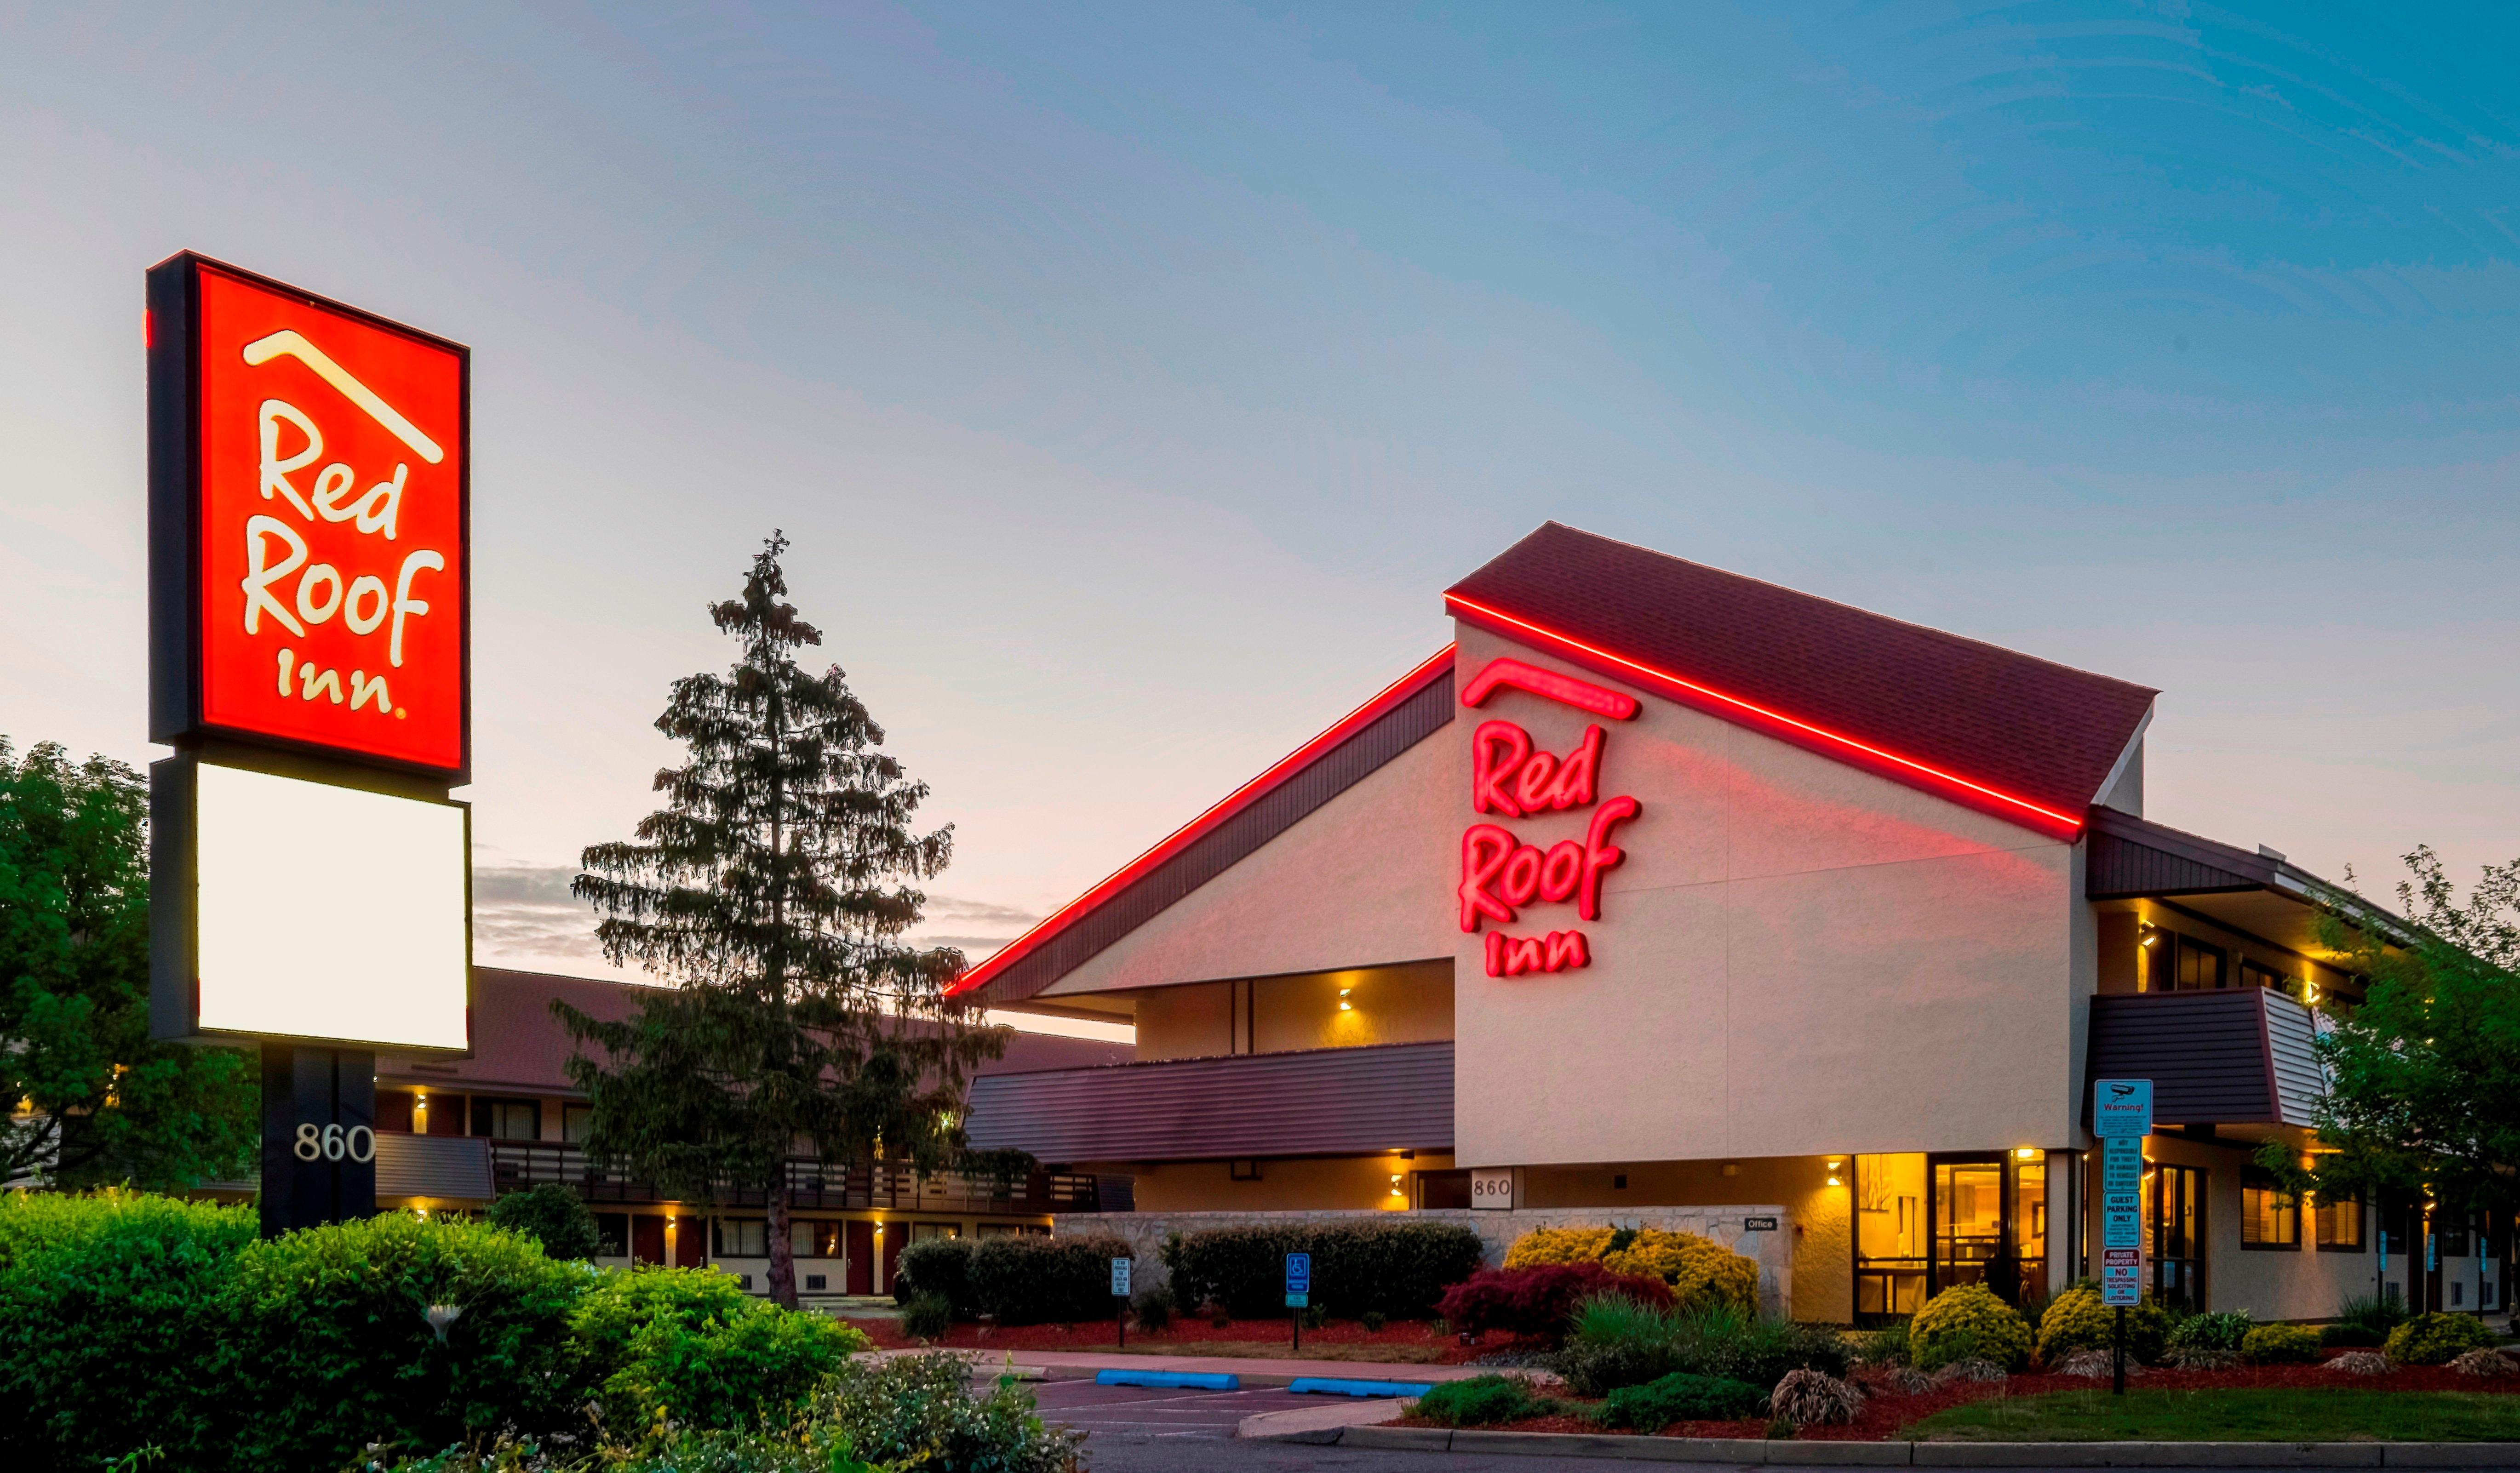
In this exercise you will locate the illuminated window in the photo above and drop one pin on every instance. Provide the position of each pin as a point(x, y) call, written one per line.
point(2270, 1217)
point(2339, 1225)
point(743, 1238)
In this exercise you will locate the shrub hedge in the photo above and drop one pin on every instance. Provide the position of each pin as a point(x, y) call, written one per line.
point(1967, 1321)
point(938, 1266)
point(1698, 1270)
point(1537, 1299)
point(1481, 1402)
point(1681, 1398)
point(2437, 1339)
point(1397, 1268)
point(136, 1321)
point(2077, 1320)
point(2280, 1345)
point(1035, 1280)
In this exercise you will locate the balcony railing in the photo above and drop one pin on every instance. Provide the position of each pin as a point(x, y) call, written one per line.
point(812, 1184)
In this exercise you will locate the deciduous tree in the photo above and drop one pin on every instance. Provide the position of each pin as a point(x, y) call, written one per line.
point(95, 1101)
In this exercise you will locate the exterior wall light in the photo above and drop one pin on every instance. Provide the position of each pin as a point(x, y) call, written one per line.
point(1836, 1165)
point(1344, 1005)
point(1395, 1185)
point(2025, 1153)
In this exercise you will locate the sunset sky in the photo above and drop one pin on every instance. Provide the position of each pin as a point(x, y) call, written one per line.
point(1132, 379)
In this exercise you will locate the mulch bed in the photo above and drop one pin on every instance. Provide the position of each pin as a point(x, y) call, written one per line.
point(1244, 1337)
point(1885, 1411)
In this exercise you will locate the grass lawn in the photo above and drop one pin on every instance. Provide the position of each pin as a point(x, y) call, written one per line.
point(2240, 1414)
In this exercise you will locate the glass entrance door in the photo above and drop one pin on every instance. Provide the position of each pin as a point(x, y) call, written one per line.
point(1990, 1222)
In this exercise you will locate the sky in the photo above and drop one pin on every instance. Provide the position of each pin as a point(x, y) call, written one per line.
point(1132, 379)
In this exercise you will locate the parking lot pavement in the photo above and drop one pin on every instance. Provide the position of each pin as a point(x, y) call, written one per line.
point(1151, 1412)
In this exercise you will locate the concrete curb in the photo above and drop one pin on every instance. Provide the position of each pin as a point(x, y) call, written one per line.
point(1320, 1425)
point(1754, 1452)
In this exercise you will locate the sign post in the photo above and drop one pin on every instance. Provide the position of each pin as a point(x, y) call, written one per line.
point(2121, 1117)
point(309, 659)
point(1299, 1290)
point(1120, 1294)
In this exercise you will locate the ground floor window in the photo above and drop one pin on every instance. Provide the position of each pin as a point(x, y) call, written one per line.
point(1012, 1230)
point(2173, 1216)
point(2270, 1215)
point(743, 1238)
point(931, 1232)
point(613, 1229)
point(2338, 1224)
point(814, 1238)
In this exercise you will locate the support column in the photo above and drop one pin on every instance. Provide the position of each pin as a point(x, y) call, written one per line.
point(319, 1136)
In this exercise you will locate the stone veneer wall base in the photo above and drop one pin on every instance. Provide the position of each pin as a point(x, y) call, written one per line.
point(1771, 1249)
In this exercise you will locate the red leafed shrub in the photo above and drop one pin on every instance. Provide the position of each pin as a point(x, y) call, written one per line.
point(1539, 1298)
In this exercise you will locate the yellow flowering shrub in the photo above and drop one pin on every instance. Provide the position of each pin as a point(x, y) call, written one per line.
point(1698, 1270)
point(1557, 1245)
point(1965, 1322)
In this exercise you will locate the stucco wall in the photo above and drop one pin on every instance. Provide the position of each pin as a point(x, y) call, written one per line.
point(1796, 958)
point(1145, 1231)
point(1362, 882)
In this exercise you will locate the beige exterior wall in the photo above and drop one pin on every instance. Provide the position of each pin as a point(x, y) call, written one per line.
point(1348, 1182)
point(1365, 880)
point(1797, 958)
point(1409, 1004)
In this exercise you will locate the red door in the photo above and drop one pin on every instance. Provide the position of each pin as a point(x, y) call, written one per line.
point(860, 1270)
point(647, 1238)
point(691, 1242)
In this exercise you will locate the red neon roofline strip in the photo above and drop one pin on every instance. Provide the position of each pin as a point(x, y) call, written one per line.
point(1180, 839)
point(2070, 825)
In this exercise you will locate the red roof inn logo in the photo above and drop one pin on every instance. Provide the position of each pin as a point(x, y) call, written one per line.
point(324, 490)
point(1512, 778)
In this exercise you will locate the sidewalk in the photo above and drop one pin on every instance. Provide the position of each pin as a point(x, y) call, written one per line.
point(1255, 1370)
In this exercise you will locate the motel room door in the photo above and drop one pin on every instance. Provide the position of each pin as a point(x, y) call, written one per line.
point(859, 1272)
point(647, 1238)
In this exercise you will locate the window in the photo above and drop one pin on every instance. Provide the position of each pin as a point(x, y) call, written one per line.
point(931, 1232)
point(2200, 967)
point(508, 1119)
point(814, 1238)
point(2270, 1217)
point(2254, 975)
point(2339, 1225)
point(998, 1229)
point(612, 1229)
point(2174, 1211)
point(576, 1122)
point(743, 1238)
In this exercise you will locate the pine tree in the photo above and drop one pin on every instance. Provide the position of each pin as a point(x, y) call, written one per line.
point(772, 890)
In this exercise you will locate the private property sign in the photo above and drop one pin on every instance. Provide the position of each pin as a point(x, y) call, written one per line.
point(309, 487)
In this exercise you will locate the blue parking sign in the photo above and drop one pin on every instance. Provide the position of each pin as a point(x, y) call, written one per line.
point(1299, 1273)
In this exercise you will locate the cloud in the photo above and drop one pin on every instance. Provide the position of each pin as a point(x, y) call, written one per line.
point(979, 913)
point(527, 911)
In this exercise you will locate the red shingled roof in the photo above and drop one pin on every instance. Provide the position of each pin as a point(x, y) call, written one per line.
point(2018, 736)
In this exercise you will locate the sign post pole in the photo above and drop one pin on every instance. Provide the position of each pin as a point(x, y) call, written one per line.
point(1120, 1298)
point(2121, 1116)
point(1299, 1292)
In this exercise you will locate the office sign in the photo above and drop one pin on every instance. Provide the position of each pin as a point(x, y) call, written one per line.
point(2121, 1276)
point(2120, 1107)
point(309, 469)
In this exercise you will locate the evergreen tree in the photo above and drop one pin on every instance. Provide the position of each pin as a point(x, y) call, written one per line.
point(102, 1103)
point(772, 889)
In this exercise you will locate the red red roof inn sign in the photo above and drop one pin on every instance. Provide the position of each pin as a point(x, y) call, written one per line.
point(309, 471)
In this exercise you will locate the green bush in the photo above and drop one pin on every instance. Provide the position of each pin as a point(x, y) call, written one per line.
point(1886, 1346)
point(938, 1266)
point(107, 1302)
point(2223, 1330)
point(1481, 1402)
point(2076, 1320)
point(1966, 1321)
point(1152, 1308)
point(928, 1317)
point(2437, 1339)
point(1616, 1342)
point(327, 1347)
point(1681, 1398)
point(553, 1215)
point(692, 1341)
point(2365, 1321)
point(916, 1412)
point(2280, 1345)
point(1398, 1268)
point(1036, 1280)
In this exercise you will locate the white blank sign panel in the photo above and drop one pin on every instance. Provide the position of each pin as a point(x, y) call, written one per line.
point(330, 912)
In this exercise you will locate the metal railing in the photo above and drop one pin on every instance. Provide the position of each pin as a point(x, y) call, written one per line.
point(812, 1183)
